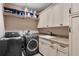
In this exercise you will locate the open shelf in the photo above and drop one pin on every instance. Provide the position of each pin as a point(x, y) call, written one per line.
point(18, 13)
point(27, 17)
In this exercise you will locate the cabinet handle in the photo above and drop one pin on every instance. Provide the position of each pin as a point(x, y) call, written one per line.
point(51, 46)
point(61, 24)
point(69, 29)
point(69, 10)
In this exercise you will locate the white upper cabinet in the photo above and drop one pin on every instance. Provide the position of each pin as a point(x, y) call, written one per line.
point(43, 20)
point(62, 14)
point(75, 7)
point(40, 24)
point(50, 17)
point(65, 12)
point(57, 15)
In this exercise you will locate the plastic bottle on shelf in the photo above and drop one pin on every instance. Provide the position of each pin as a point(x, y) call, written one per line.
point(26, 12)
point(34, 15)
point(31, 12)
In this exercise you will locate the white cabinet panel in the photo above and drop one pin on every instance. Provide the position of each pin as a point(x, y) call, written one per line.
point(57, 15)
point(75, 7)
point(65, 13)
point(43, 20)
point(50, 51)
point(46, 48)
point(63, 51)
point(42, 48)
point(51, 17)
point(62, 54)
point(75, 36)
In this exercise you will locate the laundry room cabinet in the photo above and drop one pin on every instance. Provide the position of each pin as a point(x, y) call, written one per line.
point(52, 17)
point(74, 29)
point(52, 49)
point(43, 20)
point(65, 13)
point(62, 51)
point(75, 8)
point(55, 15)
point(46, 49)
point(46, 18)
point(62, 54)
point(62, 13)
point(75, 36)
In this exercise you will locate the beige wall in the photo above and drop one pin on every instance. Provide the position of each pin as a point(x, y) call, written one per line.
point(13, 23)
point(62, 31)
point(2, 29)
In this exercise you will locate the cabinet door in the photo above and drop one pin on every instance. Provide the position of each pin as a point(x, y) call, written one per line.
point(43, 20)
point(65, 13)
point(46, 49)
point(75, 36)
point(51, 17)
point(46, 19)
point(43, 48)
point(62, 54)
point(57, 15)
point(75, 7)
point(63, 51)
point(50, 51)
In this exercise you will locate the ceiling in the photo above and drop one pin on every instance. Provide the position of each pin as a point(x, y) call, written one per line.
point(35, 6)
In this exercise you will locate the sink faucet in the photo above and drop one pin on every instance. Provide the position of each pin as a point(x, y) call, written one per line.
point(50, 33)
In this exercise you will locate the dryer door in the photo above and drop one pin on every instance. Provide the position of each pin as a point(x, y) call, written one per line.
point(32, 45)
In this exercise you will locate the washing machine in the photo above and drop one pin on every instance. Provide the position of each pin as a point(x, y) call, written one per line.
point(32, 44)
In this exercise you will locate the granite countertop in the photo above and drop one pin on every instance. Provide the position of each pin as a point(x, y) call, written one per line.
point(57, 39)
